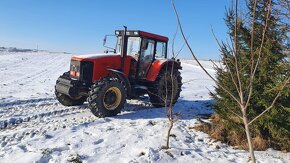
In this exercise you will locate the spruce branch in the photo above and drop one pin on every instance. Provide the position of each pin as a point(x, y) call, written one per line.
point(273, 102)
point(253, 72)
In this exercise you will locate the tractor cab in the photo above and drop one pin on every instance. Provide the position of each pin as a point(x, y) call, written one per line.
point(143, 47)
point(138, 66)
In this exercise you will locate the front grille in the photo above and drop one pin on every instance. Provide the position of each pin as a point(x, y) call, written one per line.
point(86, 73)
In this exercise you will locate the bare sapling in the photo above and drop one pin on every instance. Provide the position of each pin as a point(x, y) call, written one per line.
point(169, 112)
point(169, 104)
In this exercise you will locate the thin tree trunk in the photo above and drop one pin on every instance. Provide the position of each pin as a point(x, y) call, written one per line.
point(249, 138)
point(168, 134)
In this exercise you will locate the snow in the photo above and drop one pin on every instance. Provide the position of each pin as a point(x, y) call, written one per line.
point(34, 127)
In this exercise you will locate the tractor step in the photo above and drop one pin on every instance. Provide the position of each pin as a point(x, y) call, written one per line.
point(137, 91)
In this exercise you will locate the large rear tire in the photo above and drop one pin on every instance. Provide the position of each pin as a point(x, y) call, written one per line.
point(107, 97)
point(166, 89)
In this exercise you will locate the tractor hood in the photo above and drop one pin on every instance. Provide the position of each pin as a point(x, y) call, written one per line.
point(91, 57)
point(100, 63)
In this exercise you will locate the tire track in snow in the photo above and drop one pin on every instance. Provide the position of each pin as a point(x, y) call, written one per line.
point(16, 113)
point(29, 61)
point(39, 124)
point(21, 125)
point(49, 66)
point(15, 121)
point(8, 105)
point(35, 128)
point(15, 63)
point(47, 71)
point(28, 77)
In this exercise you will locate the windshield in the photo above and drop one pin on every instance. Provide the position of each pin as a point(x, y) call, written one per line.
point(133, 46)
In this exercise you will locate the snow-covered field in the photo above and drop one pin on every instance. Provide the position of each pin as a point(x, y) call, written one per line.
point(34, 127)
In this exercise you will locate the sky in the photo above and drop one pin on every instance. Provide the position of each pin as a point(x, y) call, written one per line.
point(79, 26)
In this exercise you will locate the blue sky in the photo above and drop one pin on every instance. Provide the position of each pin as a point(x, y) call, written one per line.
point(78, 26)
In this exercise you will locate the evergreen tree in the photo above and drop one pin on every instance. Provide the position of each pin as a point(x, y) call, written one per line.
point(271, 129)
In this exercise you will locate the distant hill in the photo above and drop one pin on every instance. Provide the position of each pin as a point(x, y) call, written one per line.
point(14, 49)
point(17, 50)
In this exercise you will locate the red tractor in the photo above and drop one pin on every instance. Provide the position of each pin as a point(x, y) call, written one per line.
point(137, 66)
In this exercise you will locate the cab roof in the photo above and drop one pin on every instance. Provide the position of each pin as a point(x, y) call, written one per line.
point(142, 34)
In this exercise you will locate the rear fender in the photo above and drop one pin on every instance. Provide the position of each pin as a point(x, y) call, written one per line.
point(158, 65)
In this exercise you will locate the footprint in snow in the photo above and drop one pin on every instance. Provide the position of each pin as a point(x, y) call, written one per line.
point(32, 134)
point(151, 123)
point(3, 144)
point(23, 148)
point(98, 141)
point(48, 136)
point(153, 154)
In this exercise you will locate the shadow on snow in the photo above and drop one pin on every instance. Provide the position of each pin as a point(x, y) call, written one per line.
point(184, 109)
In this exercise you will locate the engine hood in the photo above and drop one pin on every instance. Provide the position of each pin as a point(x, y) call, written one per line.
point(91, 57)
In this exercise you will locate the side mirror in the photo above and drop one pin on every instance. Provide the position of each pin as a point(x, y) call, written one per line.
point(104, 44)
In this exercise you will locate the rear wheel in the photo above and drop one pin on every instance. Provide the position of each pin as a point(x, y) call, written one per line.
point(107, 97)
point(166, 88)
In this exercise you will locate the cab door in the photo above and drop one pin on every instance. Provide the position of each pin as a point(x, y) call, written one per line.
point(146, 57)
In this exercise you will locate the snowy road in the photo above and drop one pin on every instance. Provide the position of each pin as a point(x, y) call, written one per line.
point(35, 127)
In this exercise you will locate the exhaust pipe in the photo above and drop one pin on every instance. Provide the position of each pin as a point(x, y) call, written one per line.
point(124, 48)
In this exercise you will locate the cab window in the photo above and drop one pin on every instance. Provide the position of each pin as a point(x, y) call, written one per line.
point(160, 50)
point(147, 49)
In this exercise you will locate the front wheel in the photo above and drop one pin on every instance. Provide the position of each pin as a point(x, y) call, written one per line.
point(107, 97)
point(68, 101)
